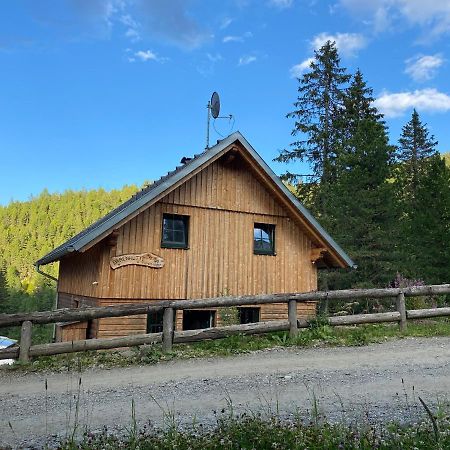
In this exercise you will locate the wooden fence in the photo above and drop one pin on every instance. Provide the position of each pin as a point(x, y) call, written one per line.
point(168, 336)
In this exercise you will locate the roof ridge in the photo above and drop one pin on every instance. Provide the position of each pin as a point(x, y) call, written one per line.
point(148, 193)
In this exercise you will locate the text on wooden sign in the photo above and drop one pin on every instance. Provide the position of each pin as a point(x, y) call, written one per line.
point(143, 259)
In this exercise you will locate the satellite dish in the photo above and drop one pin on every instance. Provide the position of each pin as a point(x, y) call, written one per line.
point(215, 105)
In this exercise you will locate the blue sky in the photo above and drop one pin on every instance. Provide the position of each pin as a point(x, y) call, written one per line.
point(102, 93)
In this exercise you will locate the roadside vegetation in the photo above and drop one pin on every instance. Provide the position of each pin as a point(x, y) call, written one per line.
point(253, 431)
point(315, 336)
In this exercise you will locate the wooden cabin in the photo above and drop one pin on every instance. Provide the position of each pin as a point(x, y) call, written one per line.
point(221, 224)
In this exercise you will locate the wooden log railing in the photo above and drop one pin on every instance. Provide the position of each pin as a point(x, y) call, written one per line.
point(169, 336)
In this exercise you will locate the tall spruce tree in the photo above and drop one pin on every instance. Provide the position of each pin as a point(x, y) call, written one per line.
point(414, 151)
point(415, 146)
point(361, 217)
point(357, 106)
point(427, 236)
point(320, 98)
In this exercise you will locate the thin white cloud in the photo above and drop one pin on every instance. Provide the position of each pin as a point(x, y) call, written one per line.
point(396, 104)
point(214, 58)
point(281, 4)
point(132, 33)
point(128, 21)
point(299, 69)
point(226, 22)
point(144, 56)
point(247, 59)
point(432, 14)
point(347, 43)
point(423, 68)
point(240, 38)
point(232, 39)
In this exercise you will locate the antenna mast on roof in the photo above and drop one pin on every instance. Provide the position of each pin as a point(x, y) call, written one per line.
point(213, 108)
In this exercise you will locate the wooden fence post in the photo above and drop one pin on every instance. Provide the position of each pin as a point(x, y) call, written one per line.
point(25, 341)
point(292, 314)
point(401, 308)
point(167, 339)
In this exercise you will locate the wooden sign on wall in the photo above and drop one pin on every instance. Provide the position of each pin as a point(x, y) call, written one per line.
point(143, 259)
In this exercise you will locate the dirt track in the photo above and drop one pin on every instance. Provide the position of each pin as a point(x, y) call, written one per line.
point(353, 382)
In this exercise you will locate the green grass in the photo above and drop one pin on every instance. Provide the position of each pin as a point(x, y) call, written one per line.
point(252, 431)
point(317, 335)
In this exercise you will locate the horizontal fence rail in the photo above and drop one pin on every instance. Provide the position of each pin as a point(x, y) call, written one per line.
point(93, 312)
point(168, 336)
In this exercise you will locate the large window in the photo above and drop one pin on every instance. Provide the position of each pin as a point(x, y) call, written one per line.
point(264, 239)
point(175, 230)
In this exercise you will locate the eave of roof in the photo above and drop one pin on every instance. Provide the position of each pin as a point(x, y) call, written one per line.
point(146, 195)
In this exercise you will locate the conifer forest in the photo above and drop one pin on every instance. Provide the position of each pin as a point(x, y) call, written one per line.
point(385, 199)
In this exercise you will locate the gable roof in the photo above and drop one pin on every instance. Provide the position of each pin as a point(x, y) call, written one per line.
point(154, 191)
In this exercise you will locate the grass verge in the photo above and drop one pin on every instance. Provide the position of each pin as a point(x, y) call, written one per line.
point(252, 431)
point(317, 335)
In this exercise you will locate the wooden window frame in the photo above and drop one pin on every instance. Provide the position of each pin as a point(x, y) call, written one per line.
point(175, 244)
point(270, 230)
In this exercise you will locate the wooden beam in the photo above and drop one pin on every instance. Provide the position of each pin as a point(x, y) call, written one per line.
point(222, 332)
point(401, 308)
point(292, 315)
point(94, 344)
point(88, 313)
point(10, 352)
point(25, 341)
point(364, 318)
point(168, 319)
point(427, 313)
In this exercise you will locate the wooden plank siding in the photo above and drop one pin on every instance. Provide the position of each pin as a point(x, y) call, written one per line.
point(79, 272)
point(223, 202)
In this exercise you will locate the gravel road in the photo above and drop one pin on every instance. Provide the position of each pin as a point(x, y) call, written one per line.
point(363, 383)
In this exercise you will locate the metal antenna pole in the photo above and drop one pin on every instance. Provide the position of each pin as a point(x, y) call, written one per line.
point(208, 107)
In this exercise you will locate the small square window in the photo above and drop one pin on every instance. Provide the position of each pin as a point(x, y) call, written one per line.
point(248, 314)
point(264, 239)
point(175, 231)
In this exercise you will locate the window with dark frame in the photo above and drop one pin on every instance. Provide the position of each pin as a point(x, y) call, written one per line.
point(197, 319)
point(155, 322)
point(264, 239)
point(175, 231)
point(248, 314)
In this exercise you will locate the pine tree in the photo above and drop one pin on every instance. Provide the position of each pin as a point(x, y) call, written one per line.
point(363, 216)
point(357, 106)
point(415, 149)
point(361, 212)
point(428, 235)
point(320, 98)
point(415, 146)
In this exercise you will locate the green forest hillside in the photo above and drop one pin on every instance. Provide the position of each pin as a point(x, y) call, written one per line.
point(30, 229)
